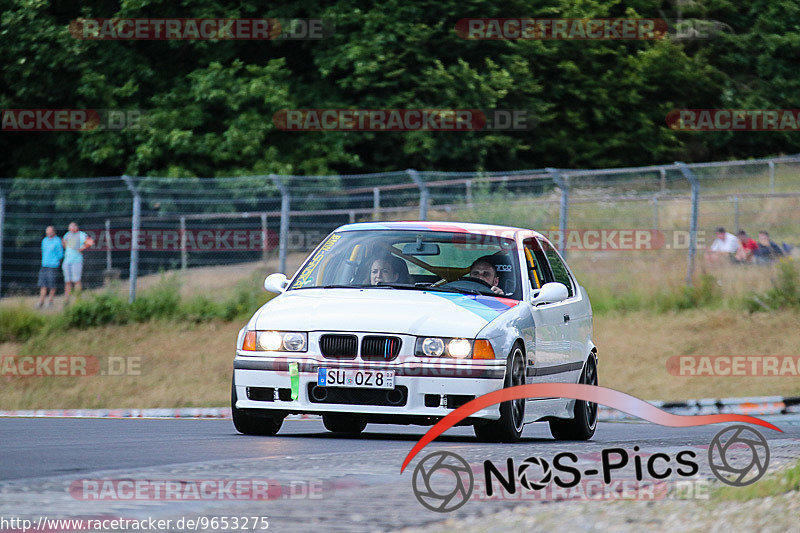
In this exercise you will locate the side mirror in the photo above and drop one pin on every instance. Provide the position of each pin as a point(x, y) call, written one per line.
point(276, 283)
point(549, 293)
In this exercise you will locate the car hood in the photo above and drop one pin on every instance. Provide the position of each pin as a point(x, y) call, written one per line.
point(381, 310)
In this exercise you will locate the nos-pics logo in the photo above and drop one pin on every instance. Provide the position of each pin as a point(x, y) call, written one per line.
point(443, 481)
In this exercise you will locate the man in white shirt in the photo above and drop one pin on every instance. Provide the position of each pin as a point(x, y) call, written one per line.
point(725, 245)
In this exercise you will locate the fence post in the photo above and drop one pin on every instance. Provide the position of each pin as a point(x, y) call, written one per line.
point(135, 226)
point(284, 230)
point(689, 175)
point(564, 206)
point(376, 203)
point(2, 235)
point(771, 175)
point(655, 212)
point(184, 258)
point(423, 193)
point(108, 240)
point(264, 243)
point(736, 213)
point(468, 185)
point(663, 173)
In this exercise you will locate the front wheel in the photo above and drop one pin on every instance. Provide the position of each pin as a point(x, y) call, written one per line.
point(584, 422)
point(253, 425)
point(512, 413)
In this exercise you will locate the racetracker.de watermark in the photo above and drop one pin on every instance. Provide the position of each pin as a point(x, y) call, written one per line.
point(590, 239)
point(598, 490)
point(246, 489)
point(734, 365)
point(194, 240)
point(404, 120)
point(734, 119)
point(69, 366)
point(38, 120)
point(195, 29)
point(561, 28)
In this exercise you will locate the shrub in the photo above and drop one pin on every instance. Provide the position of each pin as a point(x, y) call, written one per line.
point(243, 303)
point(705, 294)
point(162, 301)
point(18, 324)
point(201, 309)
point(785, 291)
point(99, 310)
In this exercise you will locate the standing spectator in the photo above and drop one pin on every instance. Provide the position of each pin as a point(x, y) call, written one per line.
point(52, 252)
point(75, 242)
point(768, 250)
point(726, 244)
point(747, 247)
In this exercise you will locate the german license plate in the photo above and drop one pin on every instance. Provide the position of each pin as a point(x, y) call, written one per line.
point(361, 379)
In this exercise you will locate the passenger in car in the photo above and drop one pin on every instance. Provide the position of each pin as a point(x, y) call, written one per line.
point(484, 270)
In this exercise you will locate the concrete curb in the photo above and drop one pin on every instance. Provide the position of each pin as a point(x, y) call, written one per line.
point(762, 405)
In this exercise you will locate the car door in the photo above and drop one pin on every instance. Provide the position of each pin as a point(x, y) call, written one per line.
point(575, 320)
point(551, 358)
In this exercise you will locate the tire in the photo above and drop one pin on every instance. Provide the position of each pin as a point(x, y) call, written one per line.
point(345, 424)
point(584, 421)
point(512, 413)
point(248, 424)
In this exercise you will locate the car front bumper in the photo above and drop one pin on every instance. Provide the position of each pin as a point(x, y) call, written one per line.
point(421, 382)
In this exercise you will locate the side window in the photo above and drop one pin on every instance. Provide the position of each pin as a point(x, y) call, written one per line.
point(560, 273)
point(538, 271)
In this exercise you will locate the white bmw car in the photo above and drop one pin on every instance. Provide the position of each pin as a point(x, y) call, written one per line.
point(402, 322)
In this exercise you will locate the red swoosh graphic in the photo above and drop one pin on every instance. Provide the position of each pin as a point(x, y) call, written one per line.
point(589, 393)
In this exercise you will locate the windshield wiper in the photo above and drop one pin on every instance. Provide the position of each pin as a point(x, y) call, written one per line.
point(425, 286)
point(406, 286)
point(344, 286)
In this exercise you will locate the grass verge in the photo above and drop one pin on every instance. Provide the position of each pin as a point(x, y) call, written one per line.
point(772, 485)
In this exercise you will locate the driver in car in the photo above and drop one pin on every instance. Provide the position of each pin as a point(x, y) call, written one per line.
point(484, 270)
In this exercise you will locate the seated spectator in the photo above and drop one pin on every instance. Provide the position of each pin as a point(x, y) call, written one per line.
point(768, 250)
point(747, 246)
point(725, 245)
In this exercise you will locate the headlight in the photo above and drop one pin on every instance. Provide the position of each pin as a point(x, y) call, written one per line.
point(432, 347)
point(270, 340)
point(457, 348)
point(294, 342)
point(276, 341)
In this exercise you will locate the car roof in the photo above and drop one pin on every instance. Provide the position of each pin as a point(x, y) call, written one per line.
point(424, 225)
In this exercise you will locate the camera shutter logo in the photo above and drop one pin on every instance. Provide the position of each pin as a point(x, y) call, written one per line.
point(544, 479)
point(738, 455)
point(443, 482)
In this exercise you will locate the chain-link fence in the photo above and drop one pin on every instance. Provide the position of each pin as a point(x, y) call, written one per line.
point(617, 223)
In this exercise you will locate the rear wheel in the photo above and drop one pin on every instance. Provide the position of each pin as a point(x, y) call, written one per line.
point(253, 425)
point(584, 422)
point(346, 424)
point(512, 413)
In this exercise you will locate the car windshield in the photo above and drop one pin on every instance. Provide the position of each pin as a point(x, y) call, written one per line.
point(466, 263)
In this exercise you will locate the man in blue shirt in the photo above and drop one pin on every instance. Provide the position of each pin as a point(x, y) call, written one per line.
point(75, 242)
point(52, 252)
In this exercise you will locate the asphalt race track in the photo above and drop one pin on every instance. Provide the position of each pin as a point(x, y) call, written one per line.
point(327, 482)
